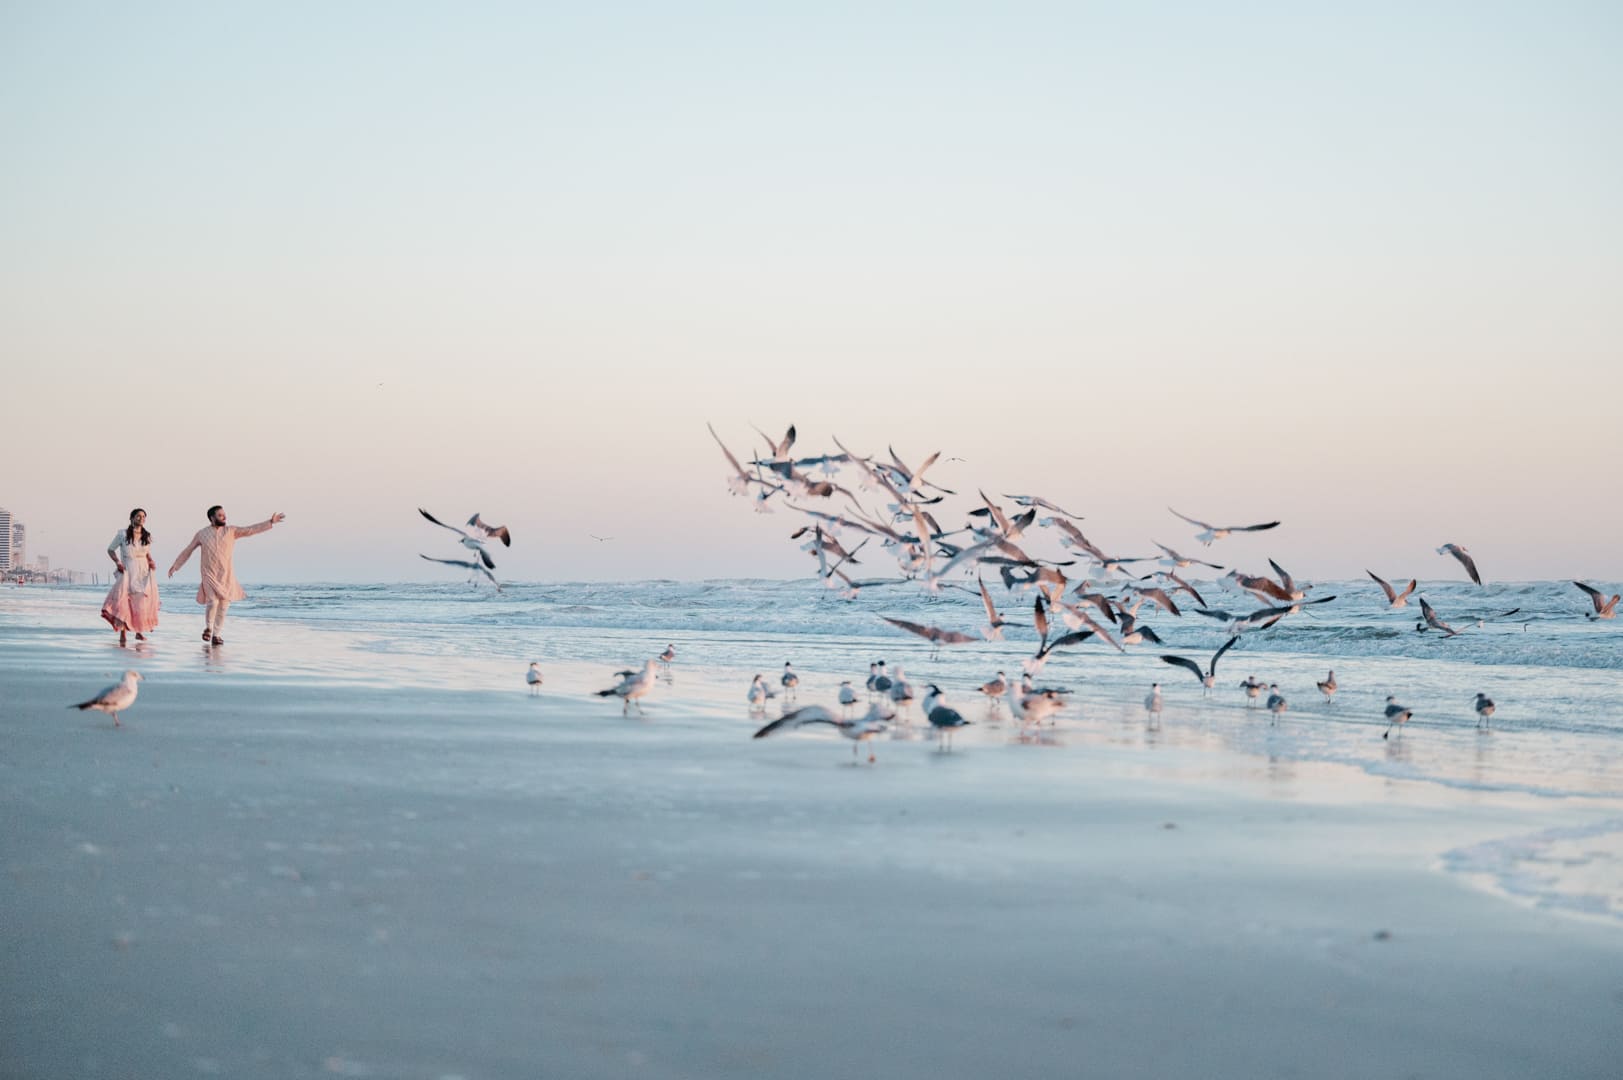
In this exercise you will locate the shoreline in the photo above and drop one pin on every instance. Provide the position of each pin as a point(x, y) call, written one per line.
point(300, 874)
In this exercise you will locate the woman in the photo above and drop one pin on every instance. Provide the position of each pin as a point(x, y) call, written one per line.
point(132, 602)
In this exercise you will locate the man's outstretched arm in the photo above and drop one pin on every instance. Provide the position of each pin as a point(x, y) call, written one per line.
point(253, 530)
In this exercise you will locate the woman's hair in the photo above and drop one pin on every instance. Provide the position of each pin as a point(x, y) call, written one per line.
point(129, 533)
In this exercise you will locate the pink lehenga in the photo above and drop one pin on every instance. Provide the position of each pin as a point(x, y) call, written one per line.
point(132, 602)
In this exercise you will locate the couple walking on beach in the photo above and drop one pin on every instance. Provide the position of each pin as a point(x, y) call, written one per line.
point(132, 603)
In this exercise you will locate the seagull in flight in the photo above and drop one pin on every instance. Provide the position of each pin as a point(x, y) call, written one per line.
point(936, 636)
point(1208, 678)
point(473, 543)
point(1210, 533)
point(500, 532)
point(1175, 561)
point(874, 722)
point(1604, 609)
point(1465, 560)
point(468, 565)
point(1394, 599)
point(115, 699)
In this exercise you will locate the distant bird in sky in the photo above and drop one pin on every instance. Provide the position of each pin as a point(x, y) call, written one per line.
point(600, 539)
point(1210, 533)
point(875, 722)
point(533, 677)
point(115, 699)
point(1394, 599)
point(1604, 609)
point(632, 687)
point(1464, 558)
point(1484, 708)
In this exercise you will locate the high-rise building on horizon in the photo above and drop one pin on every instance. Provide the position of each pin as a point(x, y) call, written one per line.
point(19, 544)
point(5, 539)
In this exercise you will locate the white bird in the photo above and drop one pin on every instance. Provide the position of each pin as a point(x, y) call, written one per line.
point(470, 566)
point(1484, 708)
point(944, 719)
point(668, 655)
point(1210, 533)
point(115, 699)
point(874, 722)
point(498, 531)
point(1604, 609)
point(1152, 701)
point(878, 681)
point(1276, 700)
point(1208, 678)
point(1464, 558)
point(848, 697)
point(901, 691)
point(1253, 689)
point(1328, 687)
point(994, 689)
point(789, 680)
point(633, 685)
point(1394, 599)
point(1395, 715)
point(533, 677)
point(1030, 710)
point(473, 543)
point(1175, 561)
point(759, 693)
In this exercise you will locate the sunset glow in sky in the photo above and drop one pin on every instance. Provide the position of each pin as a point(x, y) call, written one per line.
point(1356, 267)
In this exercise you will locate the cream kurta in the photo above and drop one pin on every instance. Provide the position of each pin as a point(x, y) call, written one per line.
point(219, 580)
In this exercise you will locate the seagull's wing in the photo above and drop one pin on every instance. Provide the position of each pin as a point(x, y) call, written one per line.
point(1466, 561)
point(910, 627)
point(1040, 621)
point(1075, 637)
point(440, 523)
point(100, 698)
point(796, 719)
point(737, 468)
point(1218, 655)
point(484, 557)
point(986, 599)
point(1412, 583)
point(1595, 596)
point(1284, 576)
point(464, 563)
point(1391, 597)
point(1179, 661)
point(1254, 528)
point(1189, 519)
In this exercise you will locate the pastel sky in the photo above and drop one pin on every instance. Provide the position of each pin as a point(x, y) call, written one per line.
point(1355, 266)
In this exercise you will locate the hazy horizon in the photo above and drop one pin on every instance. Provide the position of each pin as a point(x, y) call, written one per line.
point(1353, 269)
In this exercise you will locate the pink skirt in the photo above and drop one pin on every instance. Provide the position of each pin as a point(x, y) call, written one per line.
point(126, 610)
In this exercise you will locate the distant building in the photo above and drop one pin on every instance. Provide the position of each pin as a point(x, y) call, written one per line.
point(43, 565)
point(5, 539)
point(19, 544)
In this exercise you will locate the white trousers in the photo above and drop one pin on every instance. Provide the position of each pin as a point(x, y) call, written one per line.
point(215, 615)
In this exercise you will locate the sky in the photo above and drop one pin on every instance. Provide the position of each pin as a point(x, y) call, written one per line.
point(1355, 267)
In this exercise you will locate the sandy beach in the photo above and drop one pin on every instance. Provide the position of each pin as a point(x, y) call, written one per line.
point(286, 876)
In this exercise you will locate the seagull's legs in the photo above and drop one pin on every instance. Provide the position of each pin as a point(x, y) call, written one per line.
point(115, 721)
point(638, 703)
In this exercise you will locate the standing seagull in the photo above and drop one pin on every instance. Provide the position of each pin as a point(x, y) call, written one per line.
point(1484, 709)
point(1253, 690)
point(533, 677)
point(632, 687)
point(115, 699)
point(1152, 703)
point(1395, 714)
point(901, 691)
point(860, 730)
point(1328, 687)
point(848, 697)
point(759, 693)
point(945, 720)
point(1394, 599)
point(1465, 560)
point(994, 689)
point(668, 655)
point(789, 680)
point(1276, 701)
point(1209, 533)
point(1604, 609)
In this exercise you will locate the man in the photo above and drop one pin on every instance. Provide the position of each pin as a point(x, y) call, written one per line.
point(218, 586)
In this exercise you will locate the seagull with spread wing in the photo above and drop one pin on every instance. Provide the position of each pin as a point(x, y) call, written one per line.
point(1464, 558)
point(1394, 599)
point(1208, 678)
point(1210, 533)
point(475, 544)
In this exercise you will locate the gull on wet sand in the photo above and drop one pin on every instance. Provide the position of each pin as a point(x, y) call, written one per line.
point(759, 693)
point(1152, 701)
point(1276, 700)
point(1253, 690)
point(1396, 715)
point(1484, 707)
point(115, 699)
point(994, 689)
point(943, 718)
point(847, 697)
point(533, 677)
point(632, 687)
point(1327, 686)
point(789, 679)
